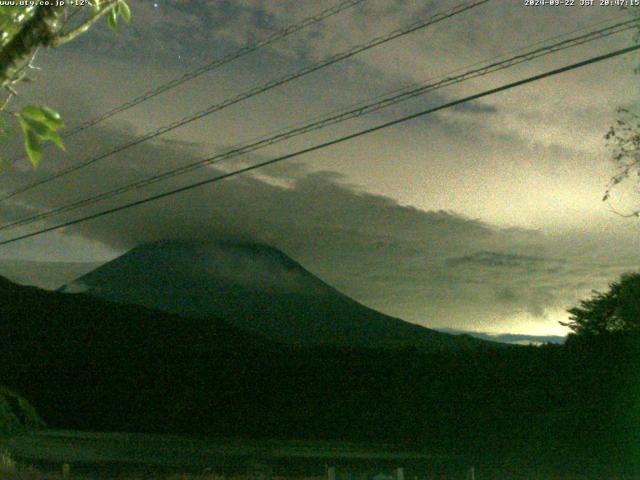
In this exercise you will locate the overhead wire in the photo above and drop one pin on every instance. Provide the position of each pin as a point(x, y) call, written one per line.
point(329, 143)
point(213, 64)
point(412, 85)
point(360, 110)
point(399, 32)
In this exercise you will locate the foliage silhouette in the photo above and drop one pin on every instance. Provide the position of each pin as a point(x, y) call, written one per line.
point(617, 310)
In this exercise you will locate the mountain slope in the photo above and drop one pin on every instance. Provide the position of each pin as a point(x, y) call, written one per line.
point(256, 288)
point(84, 362)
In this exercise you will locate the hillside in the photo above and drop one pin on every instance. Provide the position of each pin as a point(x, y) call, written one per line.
point(85, 362)
point(256, 288)
point(88, 364)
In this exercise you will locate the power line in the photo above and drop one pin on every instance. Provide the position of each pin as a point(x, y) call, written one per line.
point(214, 64)
point(285, 32)
point(336, 118)
point(256, 91)
point(247, 49)
point(323, 145)
point(412, 85)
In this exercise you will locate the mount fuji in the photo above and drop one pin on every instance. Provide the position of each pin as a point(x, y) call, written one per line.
point(256, 288)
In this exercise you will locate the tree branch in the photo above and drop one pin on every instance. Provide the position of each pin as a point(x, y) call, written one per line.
point(6, 102)
point(635, 213)
point(39, 30)
point(63, 38)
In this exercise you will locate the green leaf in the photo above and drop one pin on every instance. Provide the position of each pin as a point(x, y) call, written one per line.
point(124, 11)
point(33, 147)
point(112, 19)
point(43, 114)
point(37, 126)
point(96, 4)
point(52, 115)
point(40, 128)
point(55, 138)
point(12, 18)
point(43, 131)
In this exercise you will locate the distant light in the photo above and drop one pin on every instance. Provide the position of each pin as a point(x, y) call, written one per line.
point(155, 5)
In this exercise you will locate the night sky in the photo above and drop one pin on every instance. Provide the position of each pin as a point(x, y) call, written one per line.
point(484, 217)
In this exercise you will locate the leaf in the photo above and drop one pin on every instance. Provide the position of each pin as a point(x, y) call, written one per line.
point(124, 11)
point(45, 115)
point(112, 19)
point(38, 124)
point(52, 115)
point(55, 138)
point(43, 121)
point(33, 147)
point(40, 128)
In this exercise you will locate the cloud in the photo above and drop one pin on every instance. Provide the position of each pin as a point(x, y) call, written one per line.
point(438, 268)
point(496, 259)
point(475, 107)
point(404, 221)
point(512, 338)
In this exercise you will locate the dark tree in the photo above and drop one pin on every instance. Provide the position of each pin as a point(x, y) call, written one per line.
point(614, 311)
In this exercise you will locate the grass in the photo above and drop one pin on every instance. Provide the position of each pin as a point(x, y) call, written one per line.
point(6, 460)
point(11, 470)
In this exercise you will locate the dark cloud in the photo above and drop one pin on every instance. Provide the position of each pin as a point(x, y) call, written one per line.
point(433, 267)
point(506, 295)
point(476, 107)
point(496, 259)
point(387, 229)
point(12, 211)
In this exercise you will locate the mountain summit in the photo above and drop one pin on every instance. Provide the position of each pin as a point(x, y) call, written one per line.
point(258, 289)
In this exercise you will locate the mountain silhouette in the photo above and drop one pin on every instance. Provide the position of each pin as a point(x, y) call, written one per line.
point(256, 288)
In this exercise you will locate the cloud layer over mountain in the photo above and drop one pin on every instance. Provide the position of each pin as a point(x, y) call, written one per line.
point(485, 217)
point(436, 268)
